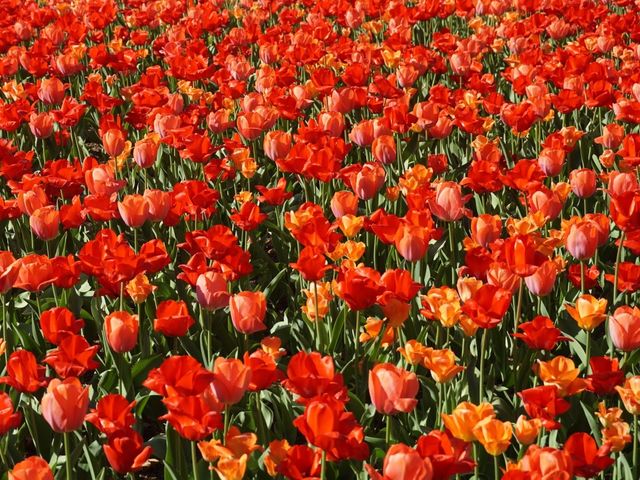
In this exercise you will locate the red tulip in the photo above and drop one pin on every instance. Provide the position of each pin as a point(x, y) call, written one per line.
point(173, 318)
point(231, 380)
point(32, 468)
point(125, 452)
point(122, 331)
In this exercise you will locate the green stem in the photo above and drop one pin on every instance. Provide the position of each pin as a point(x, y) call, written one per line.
point(496, 470)
point(67, 456)
point(194, 461)
point(453, 255)
point(615, 271)
point(227, 415)
point(388, 432)
point(483, 344)
point(588, 351)
point(356, 350)
point(323, 466)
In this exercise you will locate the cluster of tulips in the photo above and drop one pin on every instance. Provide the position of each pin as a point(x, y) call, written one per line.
point(314, 240)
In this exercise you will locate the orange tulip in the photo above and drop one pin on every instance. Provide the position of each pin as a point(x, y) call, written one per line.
point(465, 417)
point(494, 435)
point(527, 430)
point(630, 394)
point(392, 389)
point(139, 288)
point(583, 182)
point(442, 304)
point(45, 222)
point(113, 142)
point(413, 352)
point(122, 331)
point(41, 124)
point(344, 203)
point(442, 365)
point(624, 328)
point(134, 210)
point(65, 404)
point(32, 468)
point(231, 380)
point(562, 373)
point(276, 144)
point(51, 91)
point(384, 149)
point(588, 312)
point(248, 310)
point(486, 229)
point(145, 151)
point(159, 204)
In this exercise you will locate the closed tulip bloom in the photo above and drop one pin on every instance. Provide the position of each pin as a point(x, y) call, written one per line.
point(542, 281)
point(231, 380)
point(41, 124)
point(624, 328)
point(412, 242)
point(583, 182)
point(369, 181)
point(9, 418)
point(32, 468)
point(403, 463)
point(588, 312)
point(51, 91)
point(276, 144)
point(582, 240)
point(332, 123)
point(113, 142)
point(134, 210)
point(248, 310)
point(448, 202)
point(173, 318)
point(384, 149)
point(486, 229)
point(65, 404)
point(211, 291)
point(122, 331)
point(344, 203)
point(159, 203)
point(45, 222)
point(621, 182)
point(145, 152)
point(393, 389)
point(494, 435)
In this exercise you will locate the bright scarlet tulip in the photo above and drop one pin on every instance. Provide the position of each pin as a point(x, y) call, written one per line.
point(125, 451)
point(31, 468)
point(173, 318)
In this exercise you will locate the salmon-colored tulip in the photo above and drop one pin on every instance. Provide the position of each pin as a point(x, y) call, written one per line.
point(369, 181)
point(51, 91)
point(276, 144)
point(485, 229)
point(630, 394)
point(113, 142)
point(624, 328)
point(583, 182)
point(384, 149)
point(45, 222)
point(231, 380)
point(159, 204)
point(211, 291)
point(145, 152)
point(582, 240)
point(412, 241)
point(248, 310)
point(392, 389)
point(65, 404)
point(122, 331)
point(403, 463)
point(448, 202)
point(134, 210)
point(542, 281)
point(41, 124)
point(343, 203)
point(32, 468)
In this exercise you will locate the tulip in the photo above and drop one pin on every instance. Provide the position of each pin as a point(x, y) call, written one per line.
point(494, 435)
point(582, 240)
point(465, 417)
point(448, 202)
point(588, 312)
point(231, 380)
point(630, 394)
point(65, 404)
point(172, 318)
point(542, 281)
point(276, 144)
point(58, 322)
point(527, 430)
point(583, 182)
point(113, 142)
point(125, 451)
point(9, 269)
point(134, 210)
point(145, 152)
point(32, 468)
point(51, 91)
point(211, 291)
point(122, 331)
point(344, 203)
point(369, 181)
point(403, 463)
point(139, 288)
point(332, 123)
point(392, 389)
point(412, 241)
point(624, 328)
point(384, 149)
point(159, 203)
point(45, 222)
point(248, 310)
point(41, 124)
point(485, 229)
point(9, 419)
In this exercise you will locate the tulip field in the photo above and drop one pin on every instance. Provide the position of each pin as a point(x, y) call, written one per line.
point(318, 240)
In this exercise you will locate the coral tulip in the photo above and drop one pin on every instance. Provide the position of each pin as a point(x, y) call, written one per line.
point(65, 404)
point(392, 389)
point(248, 310)
point(122, 331)
point(624, 328)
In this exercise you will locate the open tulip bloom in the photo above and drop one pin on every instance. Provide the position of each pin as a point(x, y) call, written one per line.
point(319, 240)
